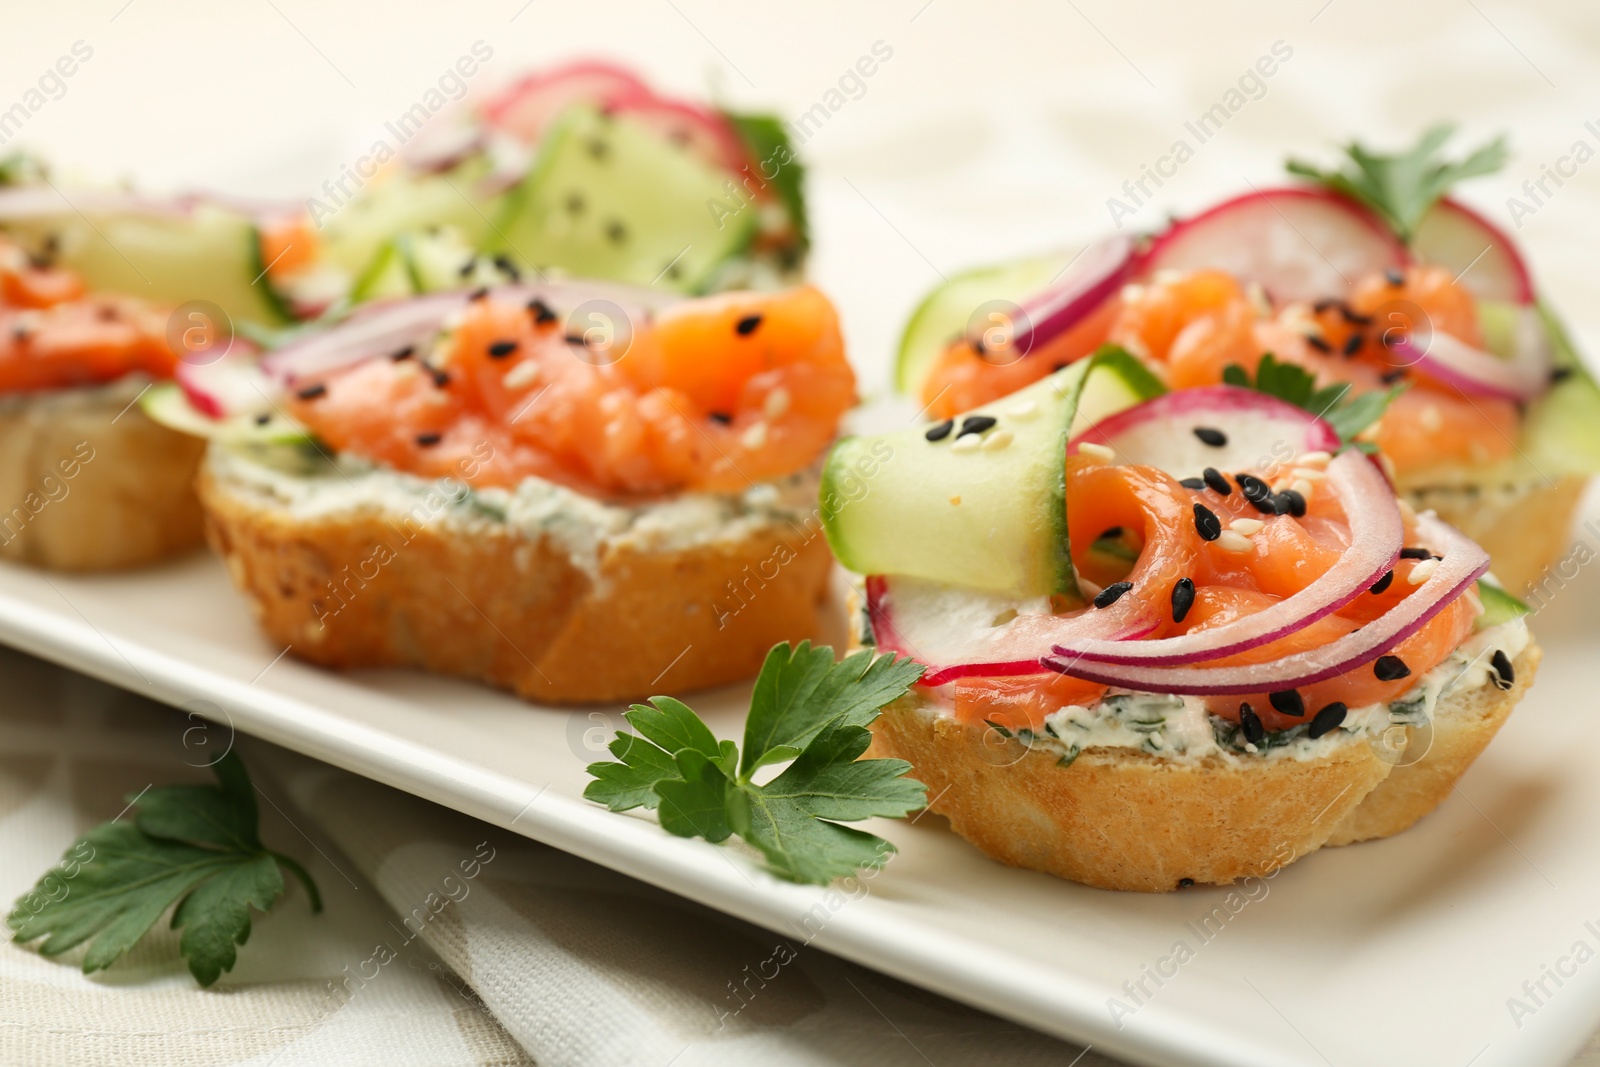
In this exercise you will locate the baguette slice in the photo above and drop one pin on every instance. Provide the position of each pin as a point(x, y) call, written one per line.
point(374, 584)
point(1123, 819)
point(89, 483)
point(1524, 528)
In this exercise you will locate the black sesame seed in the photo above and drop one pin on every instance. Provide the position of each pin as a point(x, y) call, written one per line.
point(440, 378)
point(263, 418)
point(541, 311)
point(1389, 377)
point(428, 440)
point(1325, 304)
point(721, 416)
point(598, 148)
point(466, 268)
point(616, 232)
point(1206, 523)
point(403, 353)
point(1252, 487)
point(576, 339)
point(574, 203)
point(1416, 553)
point(502, 349)
point(1250, 723)
point(1216, 480)
point(1193, 483)
point(1057, 366)
point(976, 424)
point(941, 431)
point(747, 325)
point(977, 346)
point(311, 392)
point(1214, 438)
point(1182, 598)
point(1382, 584)
point(1329, 718)
point(1185, 883)
point(1291, 502)
point(1353, 317)
point(1287, 702)
point(1394, 276)
point(1319, 343)
point(1559, 375)
point(1353, 344)
point(479, 293)
point(1111, 594)
point(503, 263)
point(1504, 677)
point(1109, 532)
point(1390, 669)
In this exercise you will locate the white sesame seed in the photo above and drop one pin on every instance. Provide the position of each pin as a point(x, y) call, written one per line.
point(523, 374)
point(777, 403)
point(1024, 411)
point(1167, 276)
point(1258, 299)
point(1303, 487)
point(1422, 571)
point(1232, 541)
point(997, 440)
point(1431, 419)
point(1132, 294)
point(755, 436)
point(1310, 474)
point(1247, 527)
point(1315, 459)
point(967, 443)
point(1096, 451)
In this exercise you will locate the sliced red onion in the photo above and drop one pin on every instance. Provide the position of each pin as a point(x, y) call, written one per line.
point(383, 327)
point(1256, 429)
point(1088, 282)
point(1444, 358)
point(1480, 254)
point(1298, 243)
point(1462, 563)
point(1376, 536)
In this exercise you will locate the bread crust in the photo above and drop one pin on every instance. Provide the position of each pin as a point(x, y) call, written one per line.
point(357, 589)
point(1524, 529)
point(88, 482)
point(1123, 819)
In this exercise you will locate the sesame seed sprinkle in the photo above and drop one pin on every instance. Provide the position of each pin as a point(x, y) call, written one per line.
point(747, 325)
point(541, 311)
point(997, 440)
point(404, 353)
point(1213, 437)
point(1382, 584)
point(1390, 669)
point(976, 424)
point(1250, 723)
point(1288, 702)
point(1193, 483)
point(1504, 676)
point(1216, 481)
point(479, 293)
point(1422, 571)
point(1111, 594)
point(1394, 276)
point(1206, 523)
point(1233, 541)
point(969, 443)
point(1330, 718)
point(502, 349)
point(941, 431)
point(720, 417)
point(1182, 598)
point(1248, 527)
point(1096, 451)
point(311, 392)
point(428, 440)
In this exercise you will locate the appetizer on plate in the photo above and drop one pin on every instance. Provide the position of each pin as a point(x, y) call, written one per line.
point(1369, 278)
point(583, 170)
point(87, 481)
point(1170, 637)
point(575, 492)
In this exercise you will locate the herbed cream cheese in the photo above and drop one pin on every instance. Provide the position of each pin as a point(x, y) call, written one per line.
point(312, 486)
point(1180, 728)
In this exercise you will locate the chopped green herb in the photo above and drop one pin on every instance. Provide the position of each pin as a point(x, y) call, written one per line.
point(1348, 415)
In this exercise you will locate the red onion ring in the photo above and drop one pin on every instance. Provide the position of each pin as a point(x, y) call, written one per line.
point(1462, 563)
point(1096, 275)
point(1475, 372)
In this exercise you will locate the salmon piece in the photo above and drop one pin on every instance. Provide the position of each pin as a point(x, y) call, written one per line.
point(289, 244)
point(1020, 702)
point(713, 395)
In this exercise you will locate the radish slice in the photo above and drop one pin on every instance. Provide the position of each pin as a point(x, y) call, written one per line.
point(1298, 243)
point(528, 106)
point(1088, 282)
point(383, 327)
point(1482, 256)
point(1257, 430)
point(1462, 564)
point(1475, 372)
point(1376, 537)
point(224, 386)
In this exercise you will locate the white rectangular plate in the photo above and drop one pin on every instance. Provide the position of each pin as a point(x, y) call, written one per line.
point(1398, 952)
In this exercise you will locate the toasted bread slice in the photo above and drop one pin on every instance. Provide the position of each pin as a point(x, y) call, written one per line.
point(1523, 527)
point(1119, 818)
point(593, 604)
point(89, 483)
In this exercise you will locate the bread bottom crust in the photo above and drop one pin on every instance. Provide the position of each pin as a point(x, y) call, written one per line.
point(356, 589)
point(1524, 532)
point(1123, 819)
point(88, 482)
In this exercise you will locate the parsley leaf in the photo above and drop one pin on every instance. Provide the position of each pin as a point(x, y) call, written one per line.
point(1348, 415)
point(806, 710)
point(774, 161)
point(196, 846)
point(1402, 187)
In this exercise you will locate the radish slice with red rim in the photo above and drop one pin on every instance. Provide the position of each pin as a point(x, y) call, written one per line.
point(383, 327)
point(1177, 431)
point(1479, 253)
point(229, 383)
point(528, 106)
point(1376, 536)
point(1462, 563)
point(1087, 282)
point(1473, 371)
point(1298, 243)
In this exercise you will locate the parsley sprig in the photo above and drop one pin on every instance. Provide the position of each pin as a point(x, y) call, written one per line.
point(1403, 186)
point(1348, 415)
point(806, 711)
point(196, 846)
